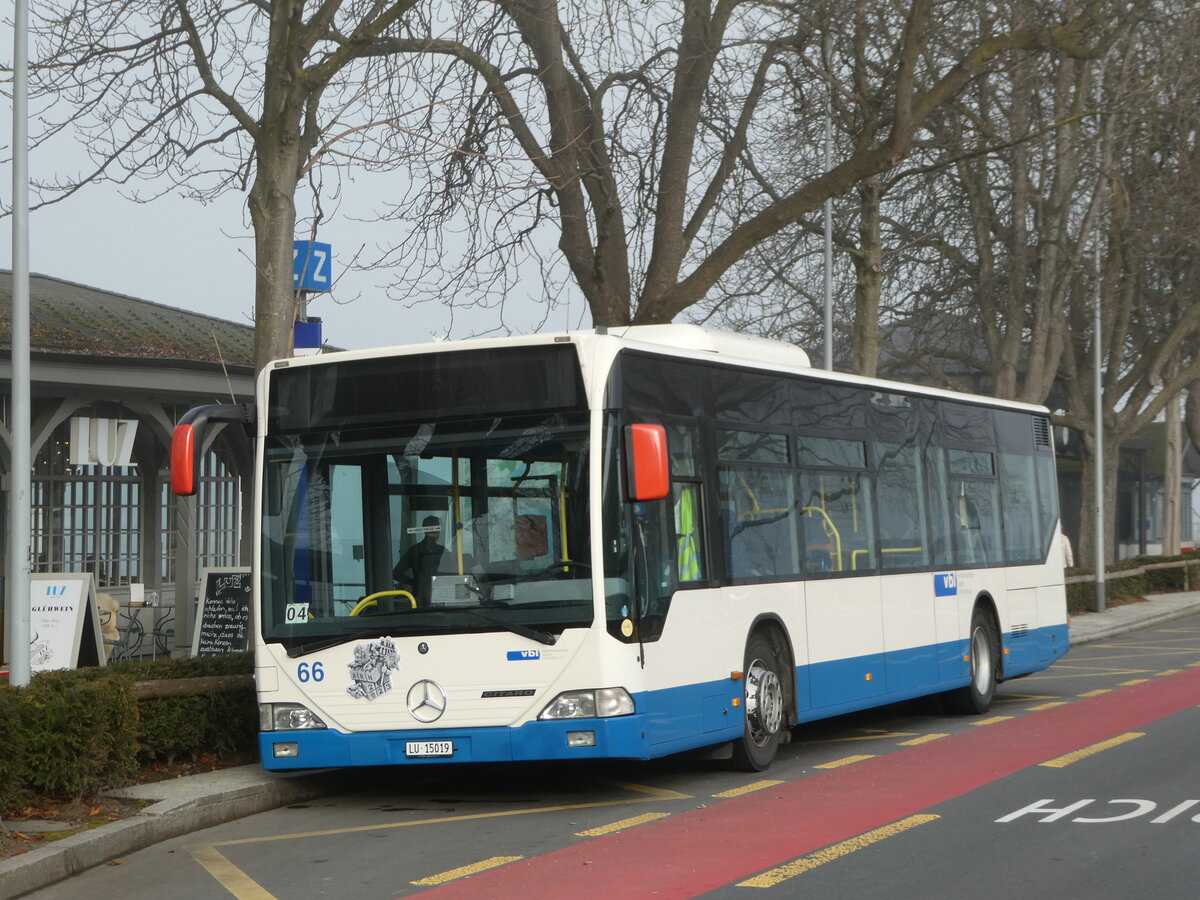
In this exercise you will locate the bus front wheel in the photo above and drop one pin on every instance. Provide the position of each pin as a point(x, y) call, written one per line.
point(764, 705)
point(984, 650)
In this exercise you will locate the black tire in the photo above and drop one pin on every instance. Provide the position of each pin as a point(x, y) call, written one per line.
point(984, 649)
point(764, 701)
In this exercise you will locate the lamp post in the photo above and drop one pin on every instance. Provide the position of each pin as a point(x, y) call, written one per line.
point(1099, 428)
point(17, 603)
point(828, 210)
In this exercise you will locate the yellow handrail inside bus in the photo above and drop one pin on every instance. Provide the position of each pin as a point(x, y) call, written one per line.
point(755, 509)
point(830, 531)
point(562, 508)
point(373, 600)
point(456, 493)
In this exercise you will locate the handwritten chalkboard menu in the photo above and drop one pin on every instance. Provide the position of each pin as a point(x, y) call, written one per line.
point(223, 619)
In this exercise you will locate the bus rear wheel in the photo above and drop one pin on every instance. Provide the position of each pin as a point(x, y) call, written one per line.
point(764, 705)
point(984, 650)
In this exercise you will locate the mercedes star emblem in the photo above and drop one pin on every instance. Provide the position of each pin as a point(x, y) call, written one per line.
point(426, 701)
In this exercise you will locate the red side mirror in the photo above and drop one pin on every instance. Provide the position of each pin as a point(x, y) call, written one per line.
point(183, 461)
point(187, 443)
point(646, 460)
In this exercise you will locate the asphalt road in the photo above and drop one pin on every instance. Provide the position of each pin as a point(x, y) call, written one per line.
point(898, 802)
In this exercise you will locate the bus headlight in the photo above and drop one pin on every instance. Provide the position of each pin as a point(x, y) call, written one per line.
point(287, 717)
point(600, 703)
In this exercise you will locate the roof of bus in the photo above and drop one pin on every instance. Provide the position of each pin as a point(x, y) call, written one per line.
point(682, 340)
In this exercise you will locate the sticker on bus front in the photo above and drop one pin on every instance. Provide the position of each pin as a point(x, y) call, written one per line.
point(371, 669)
point(517, 655)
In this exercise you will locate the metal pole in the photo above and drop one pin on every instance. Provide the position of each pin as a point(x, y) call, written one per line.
point(1099, 426)
point(828, 215)
point(18, 616)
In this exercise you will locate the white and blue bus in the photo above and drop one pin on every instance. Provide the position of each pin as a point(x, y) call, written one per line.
point(628, 543)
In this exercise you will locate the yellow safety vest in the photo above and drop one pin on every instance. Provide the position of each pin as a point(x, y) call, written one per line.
point(689, 556)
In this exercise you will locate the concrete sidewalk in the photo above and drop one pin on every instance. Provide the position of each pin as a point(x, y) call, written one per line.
point(177, 806)
point(1089, 627)
point(185, 805)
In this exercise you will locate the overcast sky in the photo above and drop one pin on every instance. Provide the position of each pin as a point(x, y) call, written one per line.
point(181, 253)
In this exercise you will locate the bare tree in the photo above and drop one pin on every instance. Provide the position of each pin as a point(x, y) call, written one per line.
point(633, 131)
point(1150, 320)
point(646, 130)
point(209, 97)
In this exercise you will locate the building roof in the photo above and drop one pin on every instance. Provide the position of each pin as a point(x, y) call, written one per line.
point(68, 318)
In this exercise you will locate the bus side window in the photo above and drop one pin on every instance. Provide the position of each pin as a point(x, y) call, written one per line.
point(900, 494)
point(938, 496)
point(977, 521)
point(977, 507)
point(689, 538)
point(835, 491)
point(759, 518)
point(683, 445)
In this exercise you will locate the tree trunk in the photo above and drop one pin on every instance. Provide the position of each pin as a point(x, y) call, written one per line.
point(868, 266)
point(273, 212)
point(280, 147)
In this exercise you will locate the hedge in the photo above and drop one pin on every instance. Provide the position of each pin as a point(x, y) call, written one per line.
point(12, 759)
point(76, 733)
point(1182, 576)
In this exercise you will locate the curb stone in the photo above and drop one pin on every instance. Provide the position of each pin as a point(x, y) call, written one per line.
point(196, 808)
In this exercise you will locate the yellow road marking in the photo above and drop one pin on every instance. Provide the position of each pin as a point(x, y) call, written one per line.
point(923, 739)
point(1135, 681)
point(439, 821)
point(243, 887)
point(747, 789)
point(1136, 655)
point(1068, 758)
point(622, 825)
point(774, 876)
point(1119, 670)
point(1094, 672)
point(1047, 705)
point(1097, 693)
point(870, 736)
point(1168, 672)
point(660, 793)
point(992, 720)
point(1023, 698)
point(229, 876)
point(844, 761)
point(464, 871)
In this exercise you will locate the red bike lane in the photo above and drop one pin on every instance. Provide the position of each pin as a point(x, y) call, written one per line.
point(704, 849)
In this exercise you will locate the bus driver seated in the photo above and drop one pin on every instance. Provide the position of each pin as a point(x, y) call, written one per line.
point(414, 573)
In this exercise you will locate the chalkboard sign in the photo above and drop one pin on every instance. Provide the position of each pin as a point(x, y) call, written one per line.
point(223, 619)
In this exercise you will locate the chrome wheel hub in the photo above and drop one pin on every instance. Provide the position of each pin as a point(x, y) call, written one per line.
point(981, 661)
point(764, 702)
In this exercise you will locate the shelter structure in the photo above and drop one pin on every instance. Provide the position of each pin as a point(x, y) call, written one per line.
point(109, 377)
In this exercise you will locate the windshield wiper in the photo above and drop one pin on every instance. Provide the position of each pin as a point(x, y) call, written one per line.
point(542, 637)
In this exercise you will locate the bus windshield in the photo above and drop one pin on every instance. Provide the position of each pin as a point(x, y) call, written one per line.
point(431, 527)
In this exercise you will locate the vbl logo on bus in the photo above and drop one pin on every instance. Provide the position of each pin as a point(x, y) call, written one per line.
point(945, 584)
